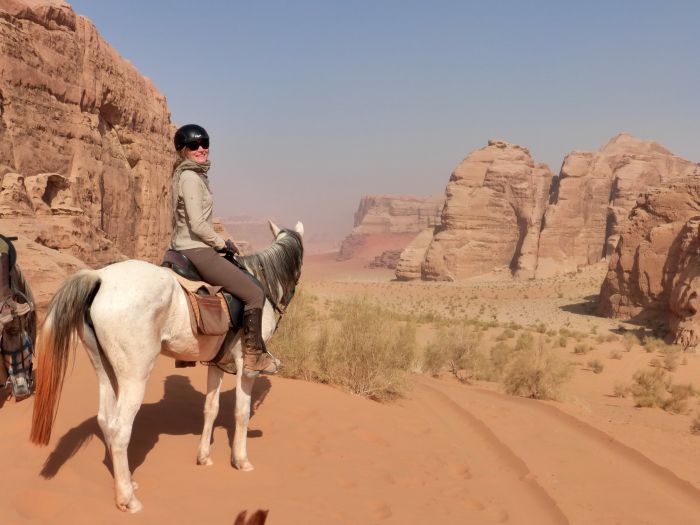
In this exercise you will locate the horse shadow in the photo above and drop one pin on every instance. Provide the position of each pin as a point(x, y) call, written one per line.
point(179, 412)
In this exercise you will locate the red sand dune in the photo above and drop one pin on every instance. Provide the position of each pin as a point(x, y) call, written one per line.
point(447, 454)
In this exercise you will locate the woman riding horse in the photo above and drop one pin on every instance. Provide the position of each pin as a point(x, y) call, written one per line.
point(194, 236)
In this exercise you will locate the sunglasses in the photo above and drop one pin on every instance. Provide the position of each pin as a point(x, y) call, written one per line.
point(194, 145)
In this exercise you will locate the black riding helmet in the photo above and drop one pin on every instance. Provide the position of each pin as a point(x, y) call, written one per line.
point(190, 133)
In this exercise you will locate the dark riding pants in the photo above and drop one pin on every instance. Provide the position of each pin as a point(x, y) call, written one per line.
point(216, 270)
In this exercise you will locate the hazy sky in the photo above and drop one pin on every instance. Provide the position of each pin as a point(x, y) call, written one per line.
point(311, 104)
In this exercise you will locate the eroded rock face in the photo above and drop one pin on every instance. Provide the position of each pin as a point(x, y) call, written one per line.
point(408, 268)
point(85, 148)
point(397, 219)
point(594, 195)
point(495, 201)
point(653, 271)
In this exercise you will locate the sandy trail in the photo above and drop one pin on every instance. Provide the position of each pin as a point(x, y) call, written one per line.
point(447, 454)
point(592, 477)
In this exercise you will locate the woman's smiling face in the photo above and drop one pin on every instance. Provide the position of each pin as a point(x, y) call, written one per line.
point(199, 155)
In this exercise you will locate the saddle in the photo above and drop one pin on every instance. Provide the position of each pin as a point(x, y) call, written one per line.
point(214, 311)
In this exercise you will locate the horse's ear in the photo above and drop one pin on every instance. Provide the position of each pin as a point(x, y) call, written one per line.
point(299, 228)
point(274, 228)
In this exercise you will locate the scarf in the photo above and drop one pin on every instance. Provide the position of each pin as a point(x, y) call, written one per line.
point(187, 164)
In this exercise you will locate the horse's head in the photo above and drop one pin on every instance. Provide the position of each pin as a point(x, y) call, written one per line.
point(276, 230)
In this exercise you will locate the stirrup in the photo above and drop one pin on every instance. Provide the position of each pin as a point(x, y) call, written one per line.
point(255, 373)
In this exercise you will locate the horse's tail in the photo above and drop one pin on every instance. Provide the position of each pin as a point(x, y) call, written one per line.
point(57, 338)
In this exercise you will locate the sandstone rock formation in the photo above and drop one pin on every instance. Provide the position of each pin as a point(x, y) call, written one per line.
point(397, 219)
point(495, 201)
point(653, 271)
point(408, 268)
point(85, 152)
point(594, 195)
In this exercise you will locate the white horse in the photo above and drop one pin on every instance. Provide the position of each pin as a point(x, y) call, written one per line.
point(126, 314)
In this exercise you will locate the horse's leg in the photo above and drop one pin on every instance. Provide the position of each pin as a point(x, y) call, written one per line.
point(244, 388)
point(107, 396)
point(129, 401)
point(211, 410)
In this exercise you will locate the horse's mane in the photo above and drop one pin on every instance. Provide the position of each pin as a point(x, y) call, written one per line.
point(278, 266)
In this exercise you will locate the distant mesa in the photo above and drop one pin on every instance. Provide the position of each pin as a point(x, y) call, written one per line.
point(388, 223)
point(505, 211)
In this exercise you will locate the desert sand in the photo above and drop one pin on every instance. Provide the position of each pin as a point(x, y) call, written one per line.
point(447, 453)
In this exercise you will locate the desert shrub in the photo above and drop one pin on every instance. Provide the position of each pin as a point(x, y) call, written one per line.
point(538, 373)
point(629, 340)
point(649, 387)
point(671, 357)
point(620, 390)
point(461, 344)
point(292, 342)
point(434, 360)
point(605, 338)
point(563, 341)
point(364, 349)
point(652, 344)
point(551, 333)
point(695, 425)
point(582, 348)
point(596, 366)
point(501, 355)
point(577, 335)
point(525, 341)
point(677, 400)
point(540, 328)
point(615, 354)
point(505, 334)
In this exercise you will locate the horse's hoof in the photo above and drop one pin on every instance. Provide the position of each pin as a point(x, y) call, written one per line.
point(245, 466)
point(207, 462)
point(132, 507)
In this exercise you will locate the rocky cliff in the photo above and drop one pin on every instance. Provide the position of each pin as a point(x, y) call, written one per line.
point(495, 201)
point(394, 220)
point(85, 151)
point(594, 195)
point(652, 252)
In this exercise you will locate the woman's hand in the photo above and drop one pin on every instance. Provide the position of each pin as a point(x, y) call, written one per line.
point(231, 247)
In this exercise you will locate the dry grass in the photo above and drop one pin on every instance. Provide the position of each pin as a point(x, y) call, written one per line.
point(360, 347)
point(536, 372)
point(653, 388)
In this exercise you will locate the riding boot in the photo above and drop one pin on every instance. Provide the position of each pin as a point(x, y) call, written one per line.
point(256, 358)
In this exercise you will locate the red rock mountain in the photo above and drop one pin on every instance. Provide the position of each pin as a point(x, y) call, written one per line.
point(495, 201)
point(85, 153)
point(391, 221)
point(653, 271)
point(594, 195)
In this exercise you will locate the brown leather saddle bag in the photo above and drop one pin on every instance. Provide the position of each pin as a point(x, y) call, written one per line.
point(209, 312)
